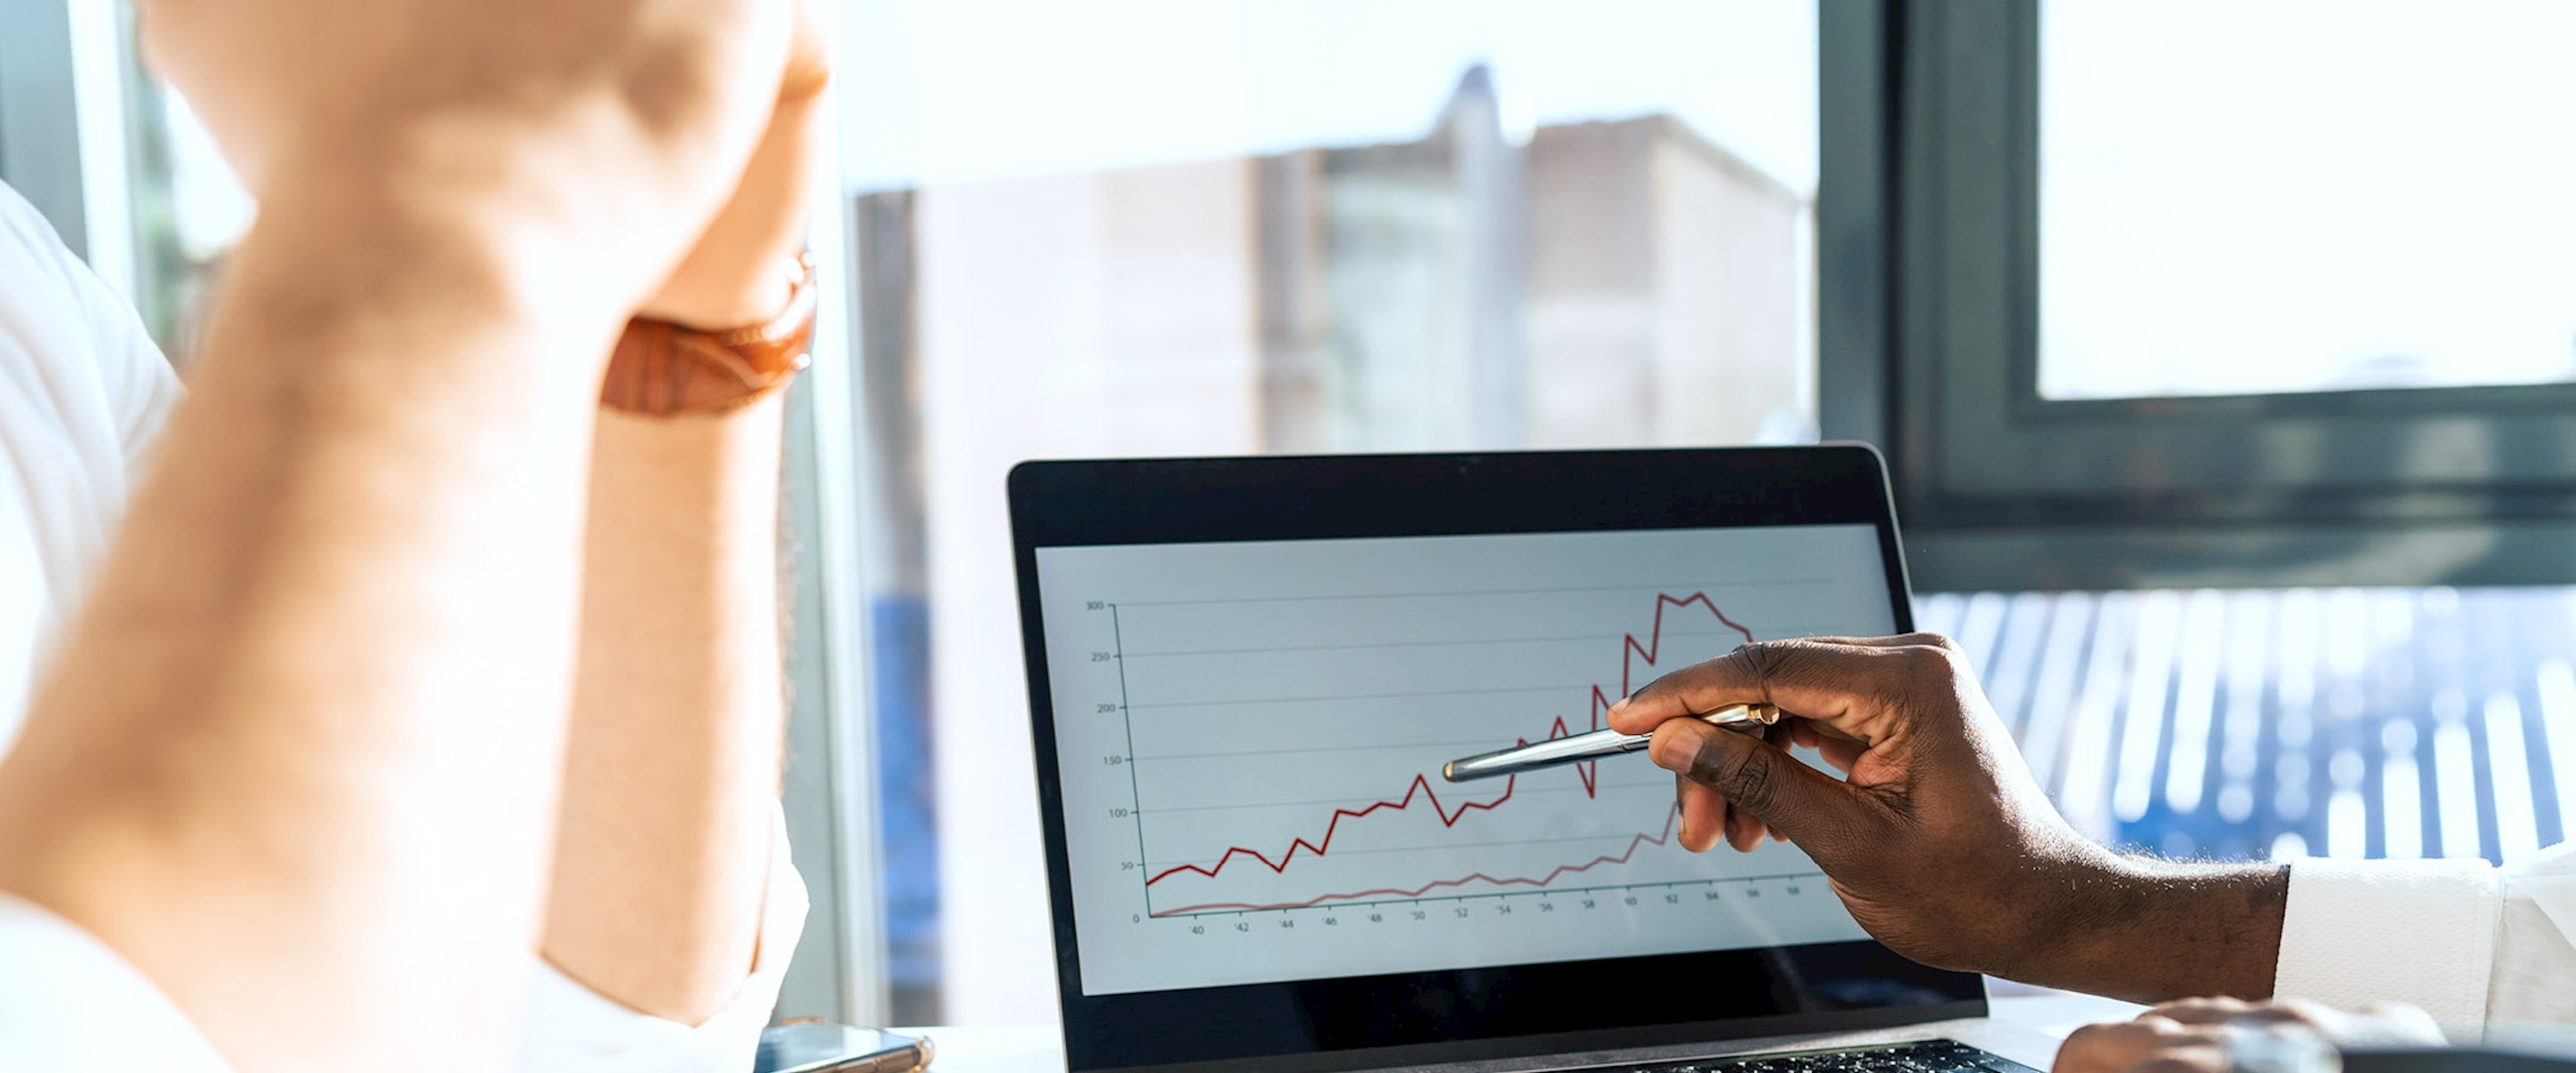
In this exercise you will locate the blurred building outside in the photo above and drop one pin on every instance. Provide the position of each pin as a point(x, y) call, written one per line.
point(1594, 284)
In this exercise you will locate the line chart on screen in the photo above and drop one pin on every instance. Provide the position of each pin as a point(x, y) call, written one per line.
point(1249, 738)
point(1421, 803)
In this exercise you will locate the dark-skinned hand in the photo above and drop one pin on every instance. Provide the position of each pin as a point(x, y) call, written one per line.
point(1936, 837)
point(2197, 1035)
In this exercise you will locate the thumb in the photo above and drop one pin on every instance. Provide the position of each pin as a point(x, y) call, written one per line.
point(1811, 808)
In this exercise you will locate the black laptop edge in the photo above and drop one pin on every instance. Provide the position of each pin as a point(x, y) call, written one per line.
point(1474, 1014)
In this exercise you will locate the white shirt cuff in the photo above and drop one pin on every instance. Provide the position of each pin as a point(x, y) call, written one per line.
point(2535, 971)
point(573, 1029)
point(68, 1004)
point(2418, 932)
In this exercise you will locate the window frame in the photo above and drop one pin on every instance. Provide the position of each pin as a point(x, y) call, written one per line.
point(830, 790)
point(39, 130)
point(1929, 313)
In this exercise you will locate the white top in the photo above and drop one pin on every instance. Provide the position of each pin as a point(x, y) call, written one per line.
point(82, 393)
point(2479, 948)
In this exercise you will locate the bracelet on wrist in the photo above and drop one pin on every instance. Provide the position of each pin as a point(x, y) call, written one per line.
point(664, 369)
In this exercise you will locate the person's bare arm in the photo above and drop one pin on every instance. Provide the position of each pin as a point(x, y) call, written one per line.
point(671, 778)
point(1937, 839)
point(298, 758)
point(672, 774)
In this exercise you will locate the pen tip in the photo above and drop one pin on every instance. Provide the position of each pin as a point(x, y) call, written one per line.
point(1444, 773)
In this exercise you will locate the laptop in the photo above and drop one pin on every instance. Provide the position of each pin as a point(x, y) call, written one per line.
point(1246, 673)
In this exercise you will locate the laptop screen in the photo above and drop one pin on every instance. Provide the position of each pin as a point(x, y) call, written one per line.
point(1244, 717)
point(1274, 714)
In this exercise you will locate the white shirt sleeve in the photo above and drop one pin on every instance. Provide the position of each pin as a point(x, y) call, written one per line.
point(136, 381)
point(68, 1004)
point(82, 391)
point(573, 1029)
point(2475, 946)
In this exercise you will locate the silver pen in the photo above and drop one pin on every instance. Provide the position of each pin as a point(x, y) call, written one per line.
point(1576, 748)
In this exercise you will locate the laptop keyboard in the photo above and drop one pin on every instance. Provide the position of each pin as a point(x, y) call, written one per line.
point(1926, 1056)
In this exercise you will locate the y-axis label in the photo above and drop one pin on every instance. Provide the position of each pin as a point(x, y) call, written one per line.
point(1126, 716)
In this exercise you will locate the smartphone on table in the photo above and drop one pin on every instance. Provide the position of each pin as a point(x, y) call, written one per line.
point(820, 1047)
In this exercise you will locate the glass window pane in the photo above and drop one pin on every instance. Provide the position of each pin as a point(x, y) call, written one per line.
point(2304, 195)
point(188, 209)
point(1170, 226)
point(2283, 723)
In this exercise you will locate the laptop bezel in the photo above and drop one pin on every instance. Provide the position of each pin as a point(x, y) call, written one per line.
point(1379, 1021)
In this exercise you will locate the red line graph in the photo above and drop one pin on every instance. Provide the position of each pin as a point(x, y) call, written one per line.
point(1501, 881)
point(1630, 652)
point(1421, 786)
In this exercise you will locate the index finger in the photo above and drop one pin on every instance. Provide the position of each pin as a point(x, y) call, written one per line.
point(1846, 685)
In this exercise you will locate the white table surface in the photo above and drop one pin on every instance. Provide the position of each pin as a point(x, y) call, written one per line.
point(1040, 1048)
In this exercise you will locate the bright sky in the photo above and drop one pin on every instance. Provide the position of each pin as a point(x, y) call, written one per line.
point(952, 90)
point(2291, 194)
point(2236, 196)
